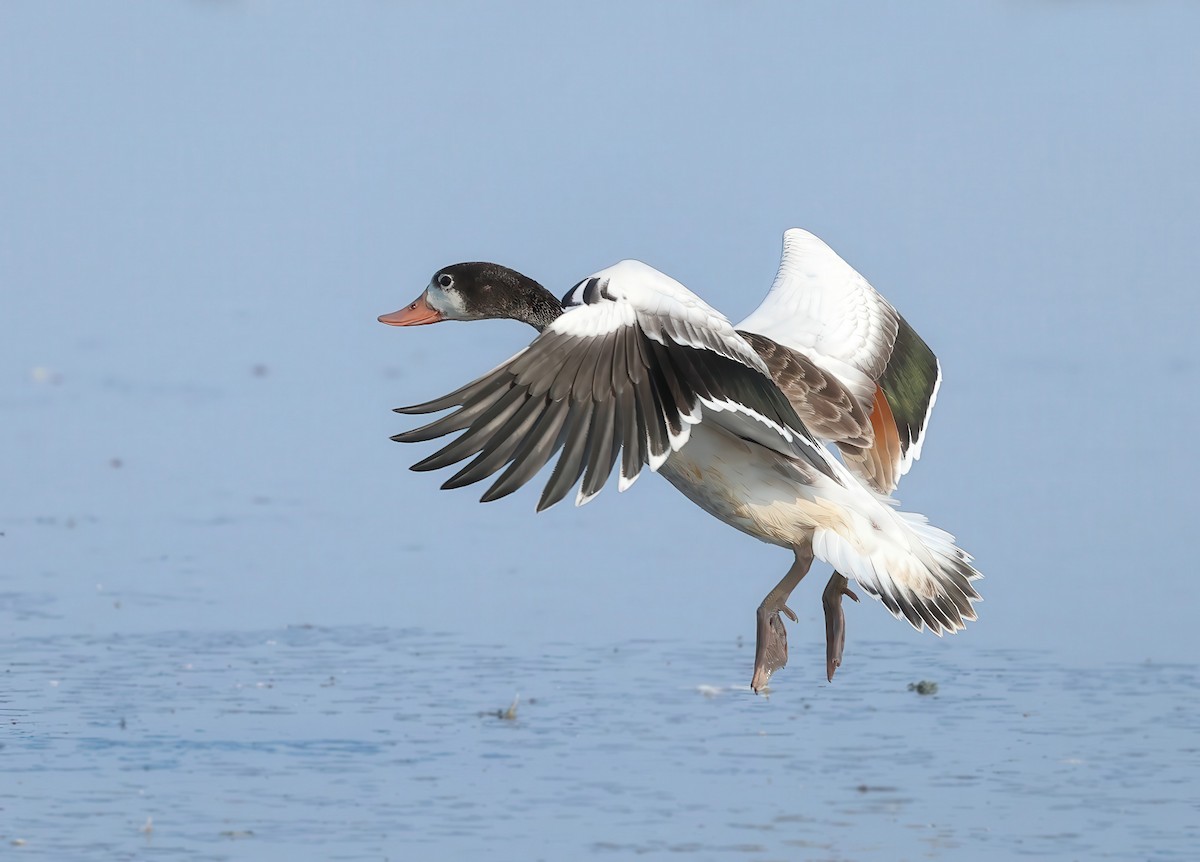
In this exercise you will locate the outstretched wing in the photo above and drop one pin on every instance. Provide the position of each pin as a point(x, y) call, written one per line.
point(622, 375)
point(822, 309)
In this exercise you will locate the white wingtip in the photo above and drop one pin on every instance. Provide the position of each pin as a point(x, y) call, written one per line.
point(808, 257)
point(798, 234)
point(678, 441)
point(657, 461)
point(582, 499)
point(800, 241)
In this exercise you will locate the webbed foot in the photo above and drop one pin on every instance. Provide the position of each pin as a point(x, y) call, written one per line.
point(835, 621)
point(770, 651)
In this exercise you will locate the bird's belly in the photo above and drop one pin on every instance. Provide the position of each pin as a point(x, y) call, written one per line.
point(746, 486)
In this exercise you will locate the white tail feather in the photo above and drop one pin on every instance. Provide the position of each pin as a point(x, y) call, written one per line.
point(913, 567)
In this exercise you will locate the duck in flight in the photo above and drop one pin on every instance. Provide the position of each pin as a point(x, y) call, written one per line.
point(631, 369)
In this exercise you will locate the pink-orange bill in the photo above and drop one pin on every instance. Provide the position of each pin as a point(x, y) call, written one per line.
point(418, 313)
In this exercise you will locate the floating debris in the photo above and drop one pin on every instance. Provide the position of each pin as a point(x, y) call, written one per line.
point(148, 826)
point(923, 687)
point(237, 833)
point(509, 714)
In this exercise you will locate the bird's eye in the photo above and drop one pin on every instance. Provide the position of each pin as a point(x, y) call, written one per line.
point(445, 280)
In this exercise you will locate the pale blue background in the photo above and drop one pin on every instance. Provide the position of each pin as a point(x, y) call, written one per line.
point(192, 189)
point(204, 205)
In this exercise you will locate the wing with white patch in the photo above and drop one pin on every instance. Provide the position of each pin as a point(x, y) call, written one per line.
point(819, 306)
point(622, 375)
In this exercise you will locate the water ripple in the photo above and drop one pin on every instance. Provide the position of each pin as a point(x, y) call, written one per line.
point(309, 742)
